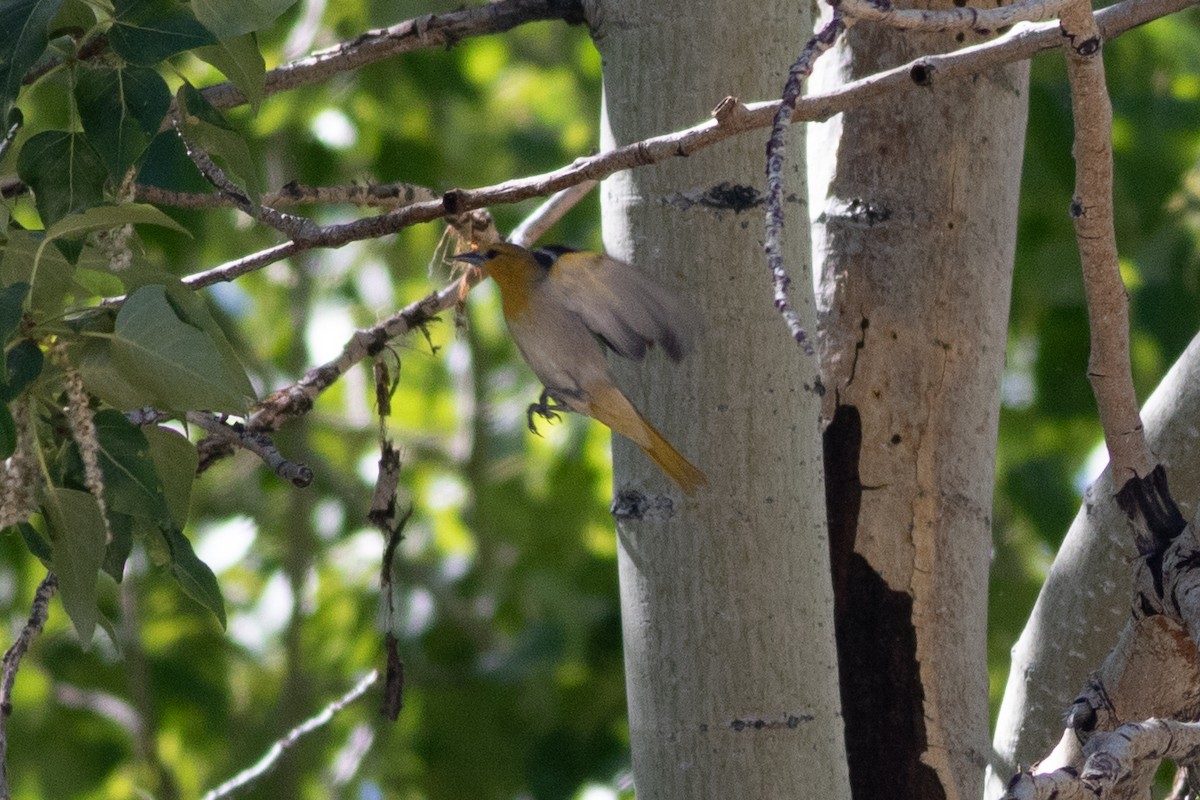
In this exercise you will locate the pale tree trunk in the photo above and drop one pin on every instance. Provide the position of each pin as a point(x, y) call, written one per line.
point(1085, 602)
point(726, 597)
point(914, 244)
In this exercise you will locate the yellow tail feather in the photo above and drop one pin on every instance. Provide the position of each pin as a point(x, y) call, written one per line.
point(673, 463)
point(608, 405)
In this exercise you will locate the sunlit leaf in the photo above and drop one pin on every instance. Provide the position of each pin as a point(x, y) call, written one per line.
point(104, 217)
point(178, 364)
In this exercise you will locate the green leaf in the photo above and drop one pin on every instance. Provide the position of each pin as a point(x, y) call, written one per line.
point(145, 32)
point(121, 111)
point(102, 378)
point(65, 173)
point(36, 543)
point(204, 125)
point(8, 432)
point(77, 536)
point(131, 483)
point(118, 550)
point(12, 298)
point(180, 365)
point(50, 276)
point(23, 364)
point(75, 17)
point(229, 18)
point(24, 25)
point(194, 576)
point(103, 217)
point(240, 61)
point(175, 460)
point(167, 166)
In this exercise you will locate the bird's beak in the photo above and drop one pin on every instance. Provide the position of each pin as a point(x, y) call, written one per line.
point(471, 257)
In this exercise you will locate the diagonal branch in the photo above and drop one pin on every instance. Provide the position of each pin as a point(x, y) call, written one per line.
point(923, 72)
point(430, 30)
point(983, 20)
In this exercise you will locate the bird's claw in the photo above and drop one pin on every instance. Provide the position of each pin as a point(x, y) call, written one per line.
point(544, 408)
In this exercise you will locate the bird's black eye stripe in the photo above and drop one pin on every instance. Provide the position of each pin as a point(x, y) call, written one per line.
point(546, 256)
point(491, 253)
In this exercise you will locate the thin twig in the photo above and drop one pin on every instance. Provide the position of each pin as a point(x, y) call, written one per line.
point(922, 72)
point(247, 777)
point(298, 228)
point(12, 662)
point(257, 442)
point(776, 152)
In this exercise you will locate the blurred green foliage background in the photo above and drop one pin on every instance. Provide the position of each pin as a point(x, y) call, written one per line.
point(506, 580)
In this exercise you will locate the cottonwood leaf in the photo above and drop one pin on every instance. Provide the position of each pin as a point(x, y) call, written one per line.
point(121, 111)
point(167, 166)
point(194, 576)
point(103, 217)
point(12, 298)
point(8, 432)
point(144, 32)
point(77, 536)
point(178, 364)
point(175, 461)
point(204, 125)
point(23, 39)
point(229, 18)
point(118, 549)
point(23, 364)
point(240, 61)
point(131, 482)
point(102, 378)
point(65, 173)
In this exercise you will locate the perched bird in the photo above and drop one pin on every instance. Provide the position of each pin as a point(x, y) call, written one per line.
point(558, 302)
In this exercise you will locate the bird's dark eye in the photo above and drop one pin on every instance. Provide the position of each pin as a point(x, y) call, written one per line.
point(491, 253)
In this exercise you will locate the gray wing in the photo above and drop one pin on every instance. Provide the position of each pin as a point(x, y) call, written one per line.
point(627, 310)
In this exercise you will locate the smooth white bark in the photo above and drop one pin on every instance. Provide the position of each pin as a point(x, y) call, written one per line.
point(726, 599)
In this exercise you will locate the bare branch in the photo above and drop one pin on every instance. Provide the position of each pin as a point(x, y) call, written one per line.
point(922, 72)
point(298, 228)
point(1109, 366)
point(257, 442)
point(376, 195)
point(431, 30)
point(276, 751)
point(297, 399)
point(982, 20)
point(12, 662)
